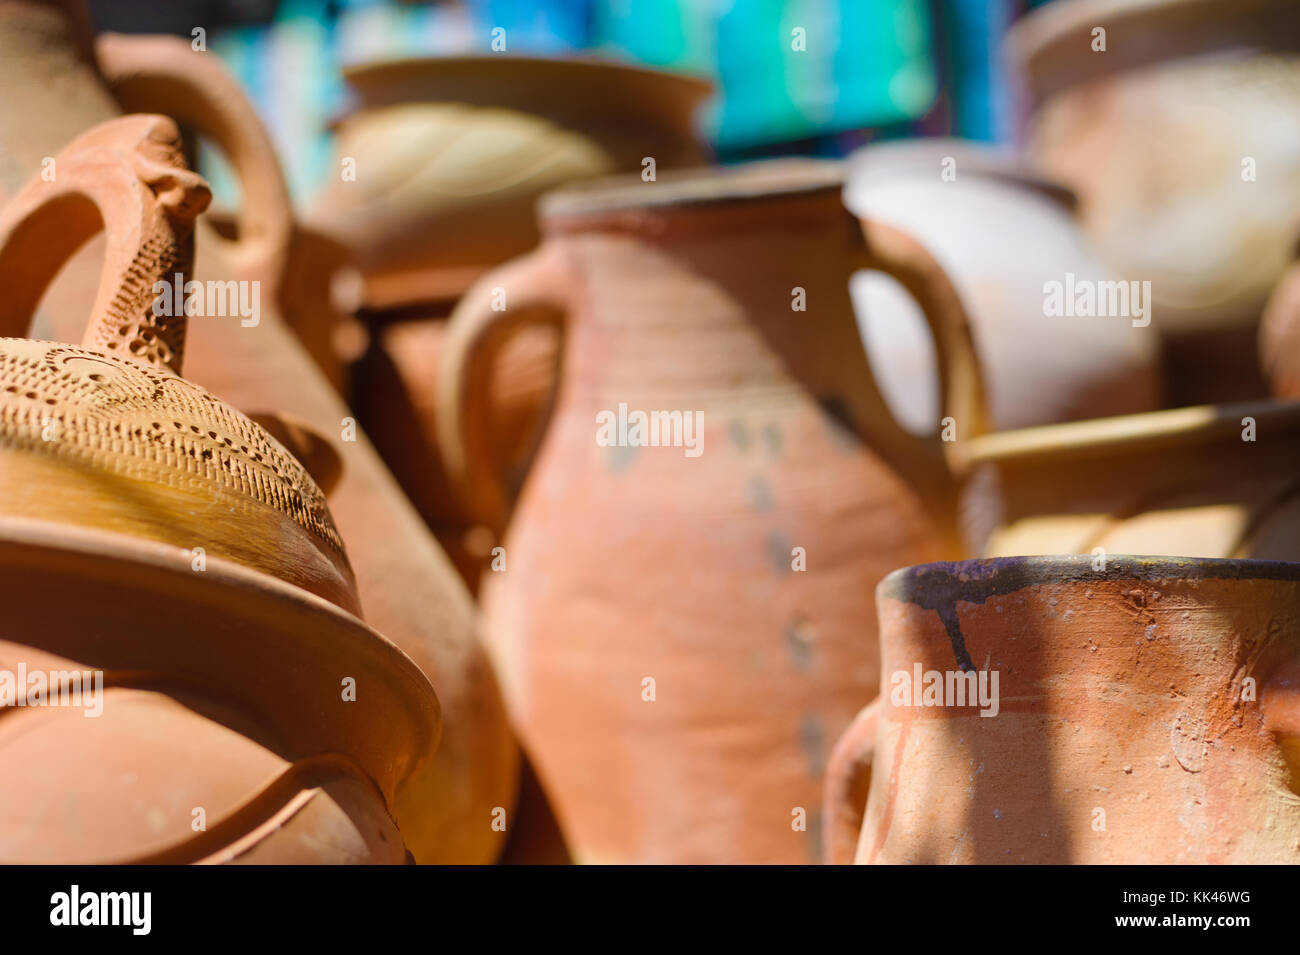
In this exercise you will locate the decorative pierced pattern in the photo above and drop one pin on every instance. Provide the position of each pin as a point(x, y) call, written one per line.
point(131, 325)
point(143, 422)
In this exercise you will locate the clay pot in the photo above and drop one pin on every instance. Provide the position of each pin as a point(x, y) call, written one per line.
point(408, 589)
point(673, 625)
point(1179, 140)
point(1213, 481)
point(221, 733)
point(451, 155)
point(1001, 232)
point(1141, 713)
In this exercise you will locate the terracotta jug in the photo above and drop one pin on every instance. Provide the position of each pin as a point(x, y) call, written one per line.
point(450, 156)
point(1045, 710)
point(1179, 138)
point(674, 623)
point(1211, 481)
point(124, 487)
point(408, 589)
point(1002, 231)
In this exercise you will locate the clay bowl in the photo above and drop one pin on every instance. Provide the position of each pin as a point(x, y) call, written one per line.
point(456, 150)
point(1144, 712)
point(1181, 482)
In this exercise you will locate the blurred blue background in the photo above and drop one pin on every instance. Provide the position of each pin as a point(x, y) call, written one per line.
point(811, 77)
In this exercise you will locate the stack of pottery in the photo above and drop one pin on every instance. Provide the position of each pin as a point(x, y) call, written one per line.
point(681, 621)
point(409, 590)
point(1175, 121)
point(635, 402)
point(439, 167)
point(212, 630)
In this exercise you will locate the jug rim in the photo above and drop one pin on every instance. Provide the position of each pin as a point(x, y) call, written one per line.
point(1052, 42)
point(1148, 429)
point(977, 579)
point(591, 81)
point(697, 187)
point(892, 160)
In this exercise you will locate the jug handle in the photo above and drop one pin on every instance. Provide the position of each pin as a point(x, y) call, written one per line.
point(127, 177)
point(884, 248)
point(536, 287)
point(844, 788)
point(164, 74)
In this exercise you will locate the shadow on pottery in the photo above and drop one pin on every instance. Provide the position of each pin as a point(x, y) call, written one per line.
point(1212, 481)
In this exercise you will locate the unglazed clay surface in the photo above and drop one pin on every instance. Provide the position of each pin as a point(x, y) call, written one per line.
point(684, 570)
point(1212, 481)
point(169, 516)
point(405, 584)
point(1145, 712)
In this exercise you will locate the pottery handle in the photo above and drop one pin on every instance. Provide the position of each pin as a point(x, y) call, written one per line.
point(887, 249)
point(844, 789)
point(164, 74)
point(127, 177)
point(530, 290)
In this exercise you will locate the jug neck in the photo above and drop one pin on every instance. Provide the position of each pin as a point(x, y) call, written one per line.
point(733, 300)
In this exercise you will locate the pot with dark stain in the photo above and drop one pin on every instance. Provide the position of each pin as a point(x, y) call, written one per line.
point(1069, 710)
point(682, 608)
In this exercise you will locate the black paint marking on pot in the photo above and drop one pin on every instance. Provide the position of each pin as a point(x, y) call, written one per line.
point(739, 434)
point(812, 738)
point(772, 438)
point(778, 548)
point(800, 641)
point(619, 457)
point(941, 586)
point(839, 422)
